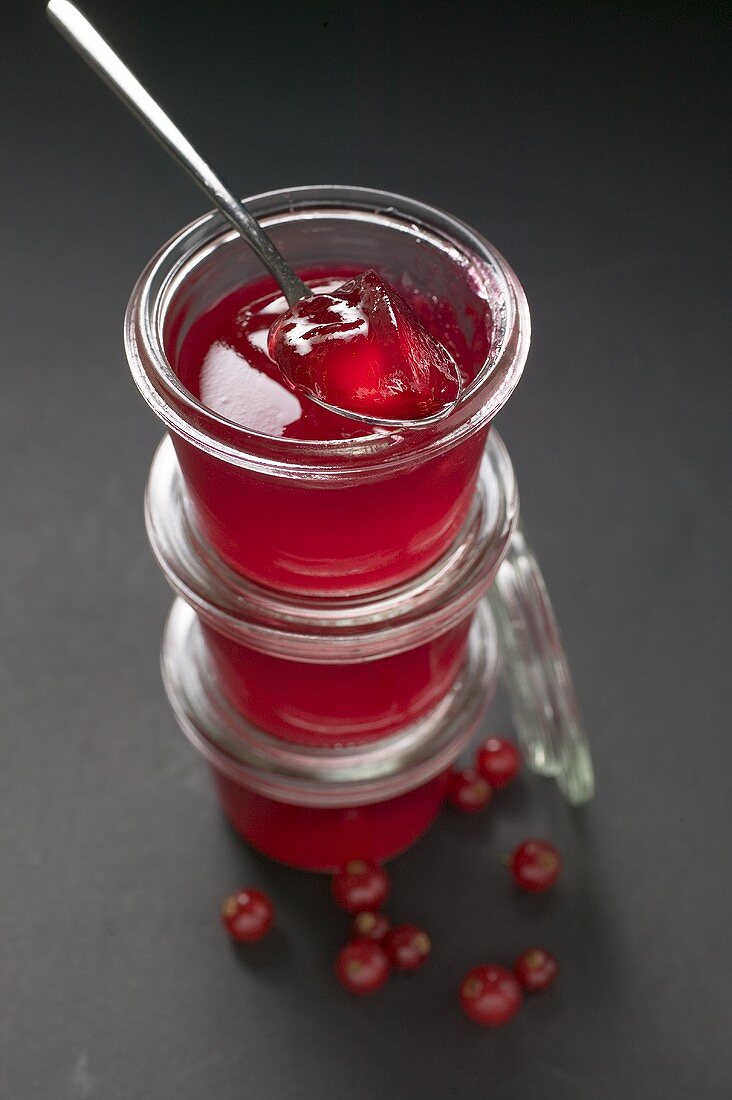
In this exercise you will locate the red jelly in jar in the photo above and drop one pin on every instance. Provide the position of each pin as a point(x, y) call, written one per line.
point(317, 808)
point(335, 671)
point(288, 494)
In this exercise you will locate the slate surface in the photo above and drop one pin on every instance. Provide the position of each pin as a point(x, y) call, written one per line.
point(589, 145)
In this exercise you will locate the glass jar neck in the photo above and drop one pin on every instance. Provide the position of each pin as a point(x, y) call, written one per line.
point(313, 225)
point(334, 630)
point(339, 776)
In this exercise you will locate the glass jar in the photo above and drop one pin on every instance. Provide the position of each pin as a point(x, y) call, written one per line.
point(346, 516)
point(316, 808)
point(329, 670)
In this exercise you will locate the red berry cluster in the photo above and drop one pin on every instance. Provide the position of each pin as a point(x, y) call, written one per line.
point(489, 994)
point(376, 947)
point(497, 764)
point(535, 864)
point(492, 995)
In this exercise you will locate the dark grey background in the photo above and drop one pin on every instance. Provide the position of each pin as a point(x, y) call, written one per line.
point(589, 145)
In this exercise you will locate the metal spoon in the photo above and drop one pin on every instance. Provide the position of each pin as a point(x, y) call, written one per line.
point(95, 51)
point(92, 47)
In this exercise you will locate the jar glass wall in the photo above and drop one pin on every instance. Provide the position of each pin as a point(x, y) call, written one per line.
point(339, 516)
point(344, 670)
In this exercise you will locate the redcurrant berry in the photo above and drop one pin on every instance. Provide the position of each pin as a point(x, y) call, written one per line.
point(362, 966)
point(360, 885)
point(407, 946)
point(536, 969)
point(370, 926)
point(490, 995)
point(247, 915)
point(498, 762)
point(535, 865)
point(469, 792)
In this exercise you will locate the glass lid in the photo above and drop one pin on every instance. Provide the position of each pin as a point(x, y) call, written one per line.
point(537, 676)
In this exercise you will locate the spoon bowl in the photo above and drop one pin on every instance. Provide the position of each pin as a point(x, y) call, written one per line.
point(393, 423)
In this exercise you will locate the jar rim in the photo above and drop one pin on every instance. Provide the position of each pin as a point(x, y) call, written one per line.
point(188, 418)
point(327, 629)
point(315, 776)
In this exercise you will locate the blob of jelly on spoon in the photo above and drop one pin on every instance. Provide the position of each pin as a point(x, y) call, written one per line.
point(361, 351)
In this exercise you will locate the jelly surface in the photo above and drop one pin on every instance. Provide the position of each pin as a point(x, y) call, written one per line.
point(225, 360)
point(363, 349)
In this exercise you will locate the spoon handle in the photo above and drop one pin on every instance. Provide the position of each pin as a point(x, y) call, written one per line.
point(95, 51)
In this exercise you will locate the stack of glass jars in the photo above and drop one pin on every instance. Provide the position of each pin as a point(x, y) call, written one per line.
point(343, 606)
